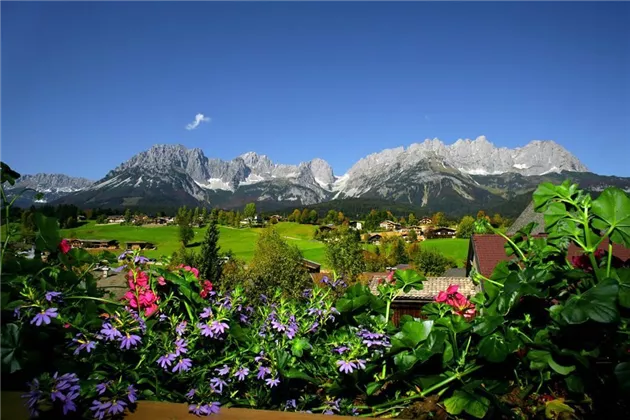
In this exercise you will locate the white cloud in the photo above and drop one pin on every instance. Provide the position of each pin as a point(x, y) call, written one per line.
point(199, 118)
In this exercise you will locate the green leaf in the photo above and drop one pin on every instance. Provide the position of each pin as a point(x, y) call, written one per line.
point(413, 332)
point(294, 373)
point(543, 194)
point(574, 384)
point(9, 345)
point(623, 275)
point(372, 387)
point(612, 209)
point(562, 370)
point(599, 304)
point(447, 356)
point(47, 233)
point(555, 407)
point(487, 324)
point(622, 372)
point(494, 348)
point(462, 401)
point(405, 361)
point(554, 213)
point(540, 359)
point(298, 346)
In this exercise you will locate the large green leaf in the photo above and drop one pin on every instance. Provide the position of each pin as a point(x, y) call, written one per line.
point(622, 372)
point(9, 346)
point(554, 213)
point(612, 209)
point(47, 233)
point(408, 279)
point(493, 348)
point(471, 403)
point(540, 359)
point(598, 304)
point(405, 360)
point(413, 332)
point(623, 275)
point(298, 374)
point(372, 387)
point(299, 345)
point(487, 324)
point(543, 194)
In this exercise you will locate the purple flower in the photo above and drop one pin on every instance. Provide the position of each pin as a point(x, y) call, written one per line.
point(100, 408)
point(117, 407)
point(205, 330)
point(346, 366)
point(191, 393)
point(124, 255)
point(68, 402)
point(33, 397)
point(110, 333)
point(360, 363)
point(325, 280)
point(16, 312)
point(180, 347)
point(52, 295)
point(217, 384)
point(313, 327)
point(162, 318)
point(181, 328)
point(272, 382)
point(140, 260)
point(86, 345)
point(260, 356)
point(182, 365)
point(119, 269)
point(290, 404)
point(262, 372)
point(207, 313)
point(243, 318)
point(44, 316)
point(129, 340)
point(218, 327)
point(165, 361)
point(263, 298)
point(199, 410)
point(278, 326)
point(223, 371)
point(307, 293)
point(214, 407)
point(242, 373)
point(131, 394)
point(102, 387)
point(341, 350)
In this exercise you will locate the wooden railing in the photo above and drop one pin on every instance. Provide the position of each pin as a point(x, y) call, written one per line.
point(13, 409)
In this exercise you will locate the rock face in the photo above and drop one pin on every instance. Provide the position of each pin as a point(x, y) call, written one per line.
point(466, 174)
point(52, 186)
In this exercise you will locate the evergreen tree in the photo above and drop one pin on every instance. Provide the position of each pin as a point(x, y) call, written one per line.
point(204, 216)
point(344, 253)
point(304, 216)
point(413, 236)
point(183, 220)
point(128, 216)
point(312, 217)
point(209, 263)
point(195, 217)
point(399, 253)
point(411, 220)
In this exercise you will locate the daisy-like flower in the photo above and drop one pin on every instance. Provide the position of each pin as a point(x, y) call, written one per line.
point(44, 316)
point(182, 365)
point(100, 408)
point(180, 346)
point(341, 349)
point(217, 384)
point(360, 363)
point(205, 330)
point(102, 387)
point(50, 296)
point(262, 372)
point(214, 407)
point(110, 333)
point(346, 366)
point(132, 394)
point(242, 373)
point(129, 340)
point(219, 327)
point(117, 407)
point(207, 313)
point(181, 328)
point(198, 409)
point(191, 393)
point(84, 344)
point(165, 361)
point(223, 371)
point(272, 382)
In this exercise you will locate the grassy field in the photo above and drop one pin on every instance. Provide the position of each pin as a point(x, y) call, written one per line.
point(241, 241)
point(454, 248)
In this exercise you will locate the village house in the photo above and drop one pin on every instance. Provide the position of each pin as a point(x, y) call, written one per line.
point(355, 224)
point(375, 239)
point(94, 243)
point(139, 245)
point(389, 225)
point(255, 221)
point(443, 232)
point(425, 221)
point(116, 219)
point(276, 217)
point(311, 266)
point(411, 303)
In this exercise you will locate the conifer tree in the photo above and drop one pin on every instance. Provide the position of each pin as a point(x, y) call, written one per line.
point(209, 264)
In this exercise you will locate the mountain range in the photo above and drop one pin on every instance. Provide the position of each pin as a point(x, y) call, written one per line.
point(463, 177)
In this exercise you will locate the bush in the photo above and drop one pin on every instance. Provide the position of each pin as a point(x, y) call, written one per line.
point(430, 262)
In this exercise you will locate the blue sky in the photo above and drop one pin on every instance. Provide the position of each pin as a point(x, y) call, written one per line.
point(85, 86)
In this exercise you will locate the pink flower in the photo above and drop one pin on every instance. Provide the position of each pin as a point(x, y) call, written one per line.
point(390, 276)
point(64, 246)
point(147, 298)
point(441, 297)
point(150, 310)
point(131, 297)
point(452, 289)
point(161, 281)
point(191, 269)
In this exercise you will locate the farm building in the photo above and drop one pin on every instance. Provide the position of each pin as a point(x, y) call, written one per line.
point(116, 219)
point(375, 239)
point(355, 224)
point(389, 225)
point(326, 228)
point(411, 303)
point(139, 245)
point(443, 232)
point(425, 221)
point(311, 266)
point(94, 243)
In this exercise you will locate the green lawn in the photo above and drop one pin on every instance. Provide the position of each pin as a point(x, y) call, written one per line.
point(454, 248)
point(241, 241)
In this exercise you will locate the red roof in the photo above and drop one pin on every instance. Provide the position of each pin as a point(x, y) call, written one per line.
point(489, 250)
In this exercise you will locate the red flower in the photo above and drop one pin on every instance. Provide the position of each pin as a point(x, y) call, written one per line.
point(64, 246)
point(161, 281)
point(452, 297)
point(66, 325)
point(207, 287)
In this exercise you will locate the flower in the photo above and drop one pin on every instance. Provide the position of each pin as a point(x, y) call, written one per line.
point(191, 269)
point(272, 382)
point(198, 409)
point(346, 366)
point(161, 281)
point(52, 295)
point(33, 397)
point(165, 361)
point(341, 350)
point(207, 313)
point(181, 328)
point(290, 404)
point(217, 384)
point(131, 394)
point(16, 312)
point(360, 363)
point(242, 373)
point(214, 407)
point(117, 407)
point(110, 333)
point(262, 372)
point(206, 288)
point(223, 371)
point(218, 327)
point(44, 316)
point(84, 344)
point(129, 340)
point(191, 393)
point(102, 387)
point(180, 346)
point(140, 260)
point(100, 408)
point(182, 365)
point(64, 246)
point(205, 330)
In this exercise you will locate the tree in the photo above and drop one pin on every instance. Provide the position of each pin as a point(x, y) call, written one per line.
point(331, 217)
point(101, 219)
point(411, 220)
point(209, 264)
point(340, 218)
point(413, 236)
point(128, 216)
point(27, 226)
point(250, 212)
point(439, 219)
point(481, 214)
point(399, 253)
point(204, 216)
point(276, 264)
point(183, 220)
point(304, 216)
point(195, 218)
point(430, 262)
point(312, 217)
point(295, 216)
point(466, 227)
point(344, 253)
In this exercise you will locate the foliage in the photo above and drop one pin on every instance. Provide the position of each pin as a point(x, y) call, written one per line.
point(466, 227)
point(430, 262)
point(276, 264)
point(546, 338)
point(344, 253)
point(250, 210)
point(209, 261)
point(184, 221)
